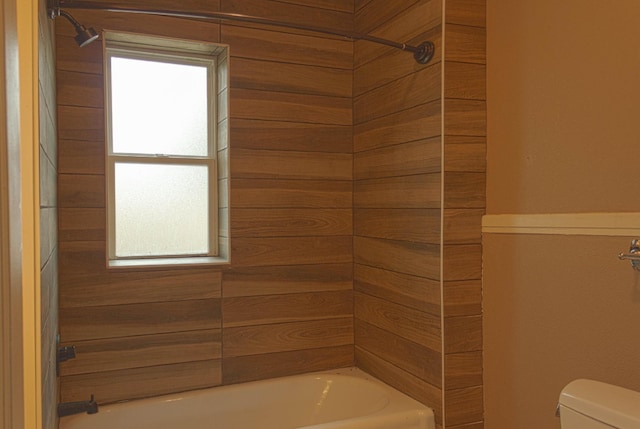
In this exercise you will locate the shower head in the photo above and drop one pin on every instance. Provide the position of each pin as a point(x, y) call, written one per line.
point(84, 35)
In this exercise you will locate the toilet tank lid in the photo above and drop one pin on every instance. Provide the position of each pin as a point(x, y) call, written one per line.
point(613, 405)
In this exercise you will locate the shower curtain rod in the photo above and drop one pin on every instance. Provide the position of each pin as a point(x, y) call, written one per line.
point(421, 53)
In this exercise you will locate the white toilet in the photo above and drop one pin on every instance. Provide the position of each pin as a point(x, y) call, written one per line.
point(588, 404)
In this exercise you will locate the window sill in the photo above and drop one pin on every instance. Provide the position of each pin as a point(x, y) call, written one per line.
point(196, 261)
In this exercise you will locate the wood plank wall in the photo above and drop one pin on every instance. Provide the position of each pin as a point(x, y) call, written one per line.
point(419, 166)
point(397, 200)
point(287, 302)
point(340, 205)
point(464, 129)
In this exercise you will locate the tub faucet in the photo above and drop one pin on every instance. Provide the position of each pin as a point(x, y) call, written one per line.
point(69, 408)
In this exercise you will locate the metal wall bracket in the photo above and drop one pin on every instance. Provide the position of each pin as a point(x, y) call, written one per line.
point(634, 254)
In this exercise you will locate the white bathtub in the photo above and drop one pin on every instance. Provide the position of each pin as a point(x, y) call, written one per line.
point(340, 399)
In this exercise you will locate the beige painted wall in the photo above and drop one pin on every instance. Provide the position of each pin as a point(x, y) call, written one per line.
point(563, 110)
point(563, 94)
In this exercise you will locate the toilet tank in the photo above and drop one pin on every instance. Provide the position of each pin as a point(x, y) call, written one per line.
point(588, 404)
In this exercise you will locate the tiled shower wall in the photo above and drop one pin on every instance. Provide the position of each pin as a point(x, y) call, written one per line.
point(419, 175)
point(48, 217)
point(323, 174)
point(285, 304)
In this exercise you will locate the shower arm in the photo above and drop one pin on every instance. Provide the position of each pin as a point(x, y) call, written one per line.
point(422, 53)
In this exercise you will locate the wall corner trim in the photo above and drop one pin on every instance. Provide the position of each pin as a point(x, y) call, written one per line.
point(605, 224)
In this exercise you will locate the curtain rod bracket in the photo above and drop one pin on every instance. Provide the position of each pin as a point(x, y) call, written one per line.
point(424, 53)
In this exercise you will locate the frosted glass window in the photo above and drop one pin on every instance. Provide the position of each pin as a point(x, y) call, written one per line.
point(161, 210)
point(159, 107)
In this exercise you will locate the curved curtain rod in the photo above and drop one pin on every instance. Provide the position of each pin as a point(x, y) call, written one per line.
point(421, 53)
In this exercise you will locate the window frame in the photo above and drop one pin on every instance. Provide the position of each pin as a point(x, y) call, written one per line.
point(152, 48)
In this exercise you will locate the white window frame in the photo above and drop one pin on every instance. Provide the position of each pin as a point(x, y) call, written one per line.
point(126, 45)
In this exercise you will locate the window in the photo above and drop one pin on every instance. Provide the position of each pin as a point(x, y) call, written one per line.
point(164, 138)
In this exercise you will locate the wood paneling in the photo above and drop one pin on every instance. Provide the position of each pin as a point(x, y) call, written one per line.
point(282, 337)
point(408, 323)
point(113, 386)
point(419, 360)
point(417, 225)
point(308, 115)
point(289, 192)
point(281, 47)
point(239, 369)
point(134, 352)
point(252, 281)
point(291, 222)
point(421, 122)
point(256, 134)
point(411, 291)
point(86, 323)
point(417, 157)
point(268, 309)
point(271, 164)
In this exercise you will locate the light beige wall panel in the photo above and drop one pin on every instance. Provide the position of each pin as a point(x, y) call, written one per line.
point(563, 134)
point(556, 308)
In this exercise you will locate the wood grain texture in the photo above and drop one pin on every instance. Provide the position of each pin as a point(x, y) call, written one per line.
point(417, 259)
point(268, 309)
point(420, 122)
point(417, 157)
point(291, 12)
point(257, 134)
point(465, 80)
point(291, 250)
point(464, 406)
point(467, 12)
point(466, 156)
point(402, 380)
point(377, 12)
point(274, 45)
point(272, 164)
point(462, 261)
point(277, 280)
point(465, 117)
point(81, 157)
point(81, 190)
point(87, 323)
point(462, 226)
point(420, 191)
point(464, 190)
point(407, 27)
point(80, 123)
point(416, 225)
point(283, 337)
point(465, 44)
point(273, 193)
point(418, 88)
point(146, 350)
point(291, 222)
point(462, 298)
point(305, 79)
point(282, 106)
point(411, 291)
point(419, 360)
point(240, 369)
point(113, 386)
point(82, 224)
point(411, 324)
point(463, 370)
point(102, 288)
point(463, 334)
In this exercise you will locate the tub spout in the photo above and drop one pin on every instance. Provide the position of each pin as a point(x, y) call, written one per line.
point(69, 408)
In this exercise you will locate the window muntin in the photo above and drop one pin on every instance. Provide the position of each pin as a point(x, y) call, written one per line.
point(162, 179)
